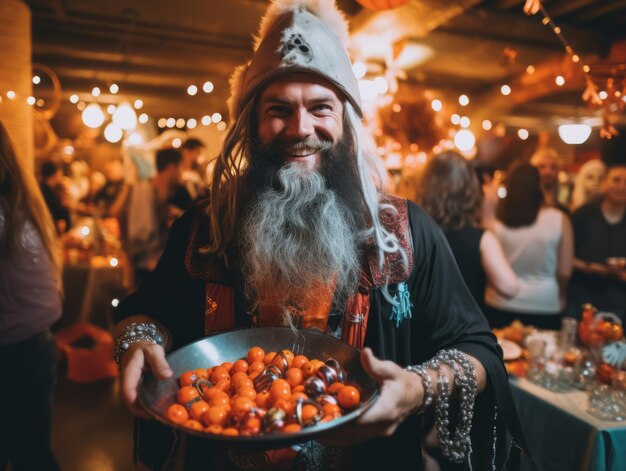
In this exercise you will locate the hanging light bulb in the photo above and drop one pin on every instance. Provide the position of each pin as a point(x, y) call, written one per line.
point(112, 133)
point(125, 117)
point(93, 116)
point(574, 133)
point(464, 140)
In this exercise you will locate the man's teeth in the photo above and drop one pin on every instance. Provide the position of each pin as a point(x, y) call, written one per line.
point(302, 153)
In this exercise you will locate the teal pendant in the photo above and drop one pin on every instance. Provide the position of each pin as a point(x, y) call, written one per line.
point(402, 306)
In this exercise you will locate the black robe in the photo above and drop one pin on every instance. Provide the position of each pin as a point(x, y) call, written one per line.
point(444, 316)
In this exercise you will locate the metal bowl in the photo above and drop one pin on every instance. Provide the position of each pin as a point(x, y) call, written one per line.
point(157, 395)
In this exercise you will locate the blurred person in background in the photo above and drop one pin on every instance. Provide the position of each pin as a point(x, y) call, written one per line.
point(600, 238)
point(168, 200)
point(30, 302)
point(538, 242)
point(588, 183)
point(547, 161)
point(52, 189)
point(192, 151)
point(451, 194)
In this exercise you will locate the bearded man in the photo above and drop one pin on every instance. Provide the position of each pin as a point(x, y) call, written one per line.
point(299, 231)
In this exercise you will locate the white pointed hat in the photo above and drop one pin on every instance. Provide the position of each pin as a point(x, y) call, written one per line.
point(308, 36)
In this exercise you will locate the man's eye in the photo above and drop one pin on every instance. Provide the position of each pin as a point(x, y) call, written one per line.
point(323, 107)
point(278, 110)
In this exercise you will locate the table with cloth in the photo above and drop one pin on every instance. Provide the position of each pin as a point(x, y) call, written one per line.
point(562, 435)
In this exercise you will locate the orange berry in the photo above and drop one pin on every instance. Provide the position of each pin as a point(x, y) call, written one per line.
point(292, 428)
point(177, 414)
point(215, 415)
point(219, 373)
point(210, 392)
point(255, 354)
point(349, 397)
point(335, 387)
point(223, 385)
point(220, 399)
point(239, 365)
point(309, 412)
point(193, 425)
point(227, 365)
point(269, 357)
point(263, 399)
point(187, 378)
point(231, 432)
point(299, 361)
point(186, 394)
point(331, 409)
point(197, 409)
point(201, 373)
point(294, 377)
point(247, 391)
point(241, 405)
point(256, 367)
point(280, 389)
point(214, 429)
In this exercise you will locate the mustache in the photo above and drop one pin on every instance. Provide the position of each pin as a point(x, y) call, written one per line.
point(290, 146)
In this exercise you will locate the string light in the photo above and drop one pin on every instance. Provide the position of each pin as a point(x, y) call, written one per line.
point(31, 100)
point(463, 100)
point(191, 123)
point(487, 124)
point(95, 91)
point(11, 95)
point(170, 123)
point(207, 87)
point(180, 123)
point(138, 104)
point(455, 119)
point(559, 80)
point(74, 99)
point(36, 79)
point(176, 142)
point(216, 117)
point(162, 122)
point(505, 90)
point(206, 120)
point(436, 105)
point(530, 69)
point(114, 88)
point(192, 90)
point(143, 118)
point(522, 134)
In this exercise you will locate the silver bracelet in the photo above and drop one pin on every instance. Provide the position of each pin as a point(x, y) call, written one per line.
point(426, 381)
point(459, 447)
point(133, 333)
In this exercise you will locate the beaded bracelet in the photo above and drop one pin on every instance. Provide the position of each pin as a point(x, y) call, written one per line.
point(426, 381)
point(458, 448)
point(133, 333)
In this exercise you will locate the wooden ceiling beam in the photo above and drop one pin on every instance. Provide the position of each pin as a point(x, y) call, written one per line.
point(597, 12)
point(517, 28)
point(566, 7)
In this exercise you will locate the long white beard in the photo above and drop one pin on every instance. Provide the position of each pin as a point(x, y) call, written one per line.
point(298, 238)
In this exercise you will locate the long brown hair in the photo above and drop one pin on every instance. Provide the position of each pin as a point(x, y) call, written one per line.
point(523, 198)
point(23, 202)
point(450, 192)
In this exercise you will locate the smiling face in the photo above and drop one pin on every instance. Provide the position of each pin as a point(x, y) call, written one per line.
point(301, 116)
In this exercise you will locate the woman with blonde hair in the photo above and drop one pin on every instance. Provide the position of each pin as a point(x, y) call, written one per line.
point(450, 192)
point(587, 183)
point(30, 302)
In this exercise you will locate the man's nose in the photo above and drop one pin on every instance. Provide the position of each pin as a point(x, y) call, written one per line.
point(300, 125)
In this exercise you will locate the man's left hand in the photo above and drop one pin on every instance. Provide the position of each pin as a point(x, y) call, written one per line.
point(401, 393)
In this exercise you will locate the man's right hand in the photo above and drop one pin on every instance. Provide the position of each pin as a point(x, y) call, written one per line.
point(140, 357)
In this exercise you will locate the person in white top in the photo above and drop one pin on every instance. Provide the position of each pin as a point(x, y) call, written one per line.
point(538, 242)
